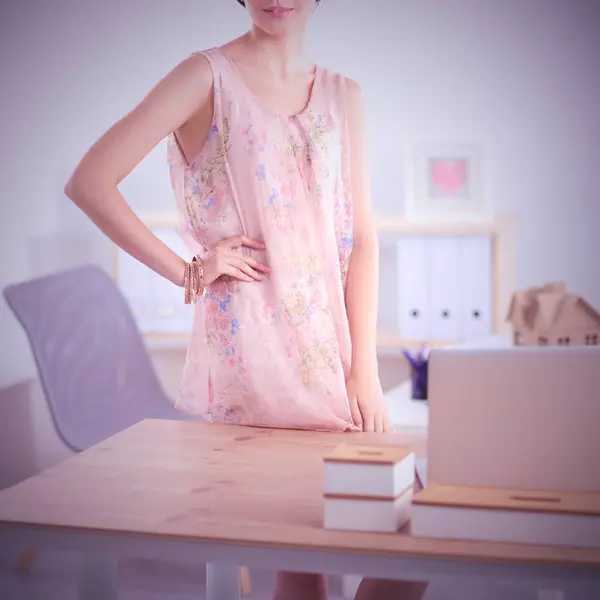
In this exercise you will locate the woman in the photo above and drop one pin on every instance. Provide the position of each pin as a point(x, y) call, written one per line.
point(266, 152)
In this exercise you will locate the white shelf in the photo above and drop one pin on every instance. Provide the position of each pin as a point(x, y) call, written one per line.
point(387, 341)
point(384, 223)
point(165, 321)
point(165, 342)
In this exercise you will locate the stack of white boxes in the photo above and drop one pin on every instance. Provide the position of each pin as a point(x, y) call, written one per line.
point(368, 488)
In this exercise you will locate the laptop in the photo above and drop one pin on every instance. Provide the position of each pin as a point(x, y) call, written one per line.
point(517, 417)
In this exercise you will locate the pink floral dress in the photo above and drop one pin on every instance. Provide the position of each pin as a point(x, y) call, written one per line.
point(273, 353)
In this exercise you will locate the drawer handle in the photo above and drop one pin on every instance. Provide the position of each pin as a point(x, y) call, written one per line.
point(535, 498)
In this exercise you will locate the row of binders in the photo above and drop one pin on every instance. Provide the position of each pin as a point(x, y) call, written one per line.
point(372, 488)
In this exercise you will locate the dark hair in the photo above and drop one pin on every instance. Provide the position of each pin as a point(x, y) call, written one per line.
point(243, 3)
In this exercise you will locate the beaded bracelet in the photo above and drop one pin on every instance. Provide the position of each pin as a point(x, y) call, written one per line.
point(193, 280)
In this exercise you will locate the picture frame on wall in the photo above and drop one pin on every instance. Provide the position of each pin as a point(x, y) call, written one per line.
point(448, 183)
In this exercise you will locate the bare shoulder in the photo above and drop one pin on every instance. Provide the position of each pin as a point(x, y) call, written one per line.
point(195, 65)
point(190, 86)
point(178, 97)
point(192, 75)
point(192, 133)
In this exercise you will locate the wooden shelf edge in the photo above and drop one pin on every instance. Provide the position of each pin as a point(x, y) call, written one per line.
point(384, 223)
point(386, 340)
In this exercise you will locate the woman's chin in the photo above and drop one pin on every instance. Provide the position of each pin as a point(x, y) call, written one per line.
point(282, 27)
point(277, 30)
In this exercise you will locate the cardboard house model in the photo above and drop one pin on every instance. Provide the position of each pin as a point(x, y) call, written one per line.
point(549, 316)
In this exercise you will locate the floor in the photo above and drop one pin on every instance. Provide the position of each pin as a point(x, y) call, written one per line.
point(54, 578)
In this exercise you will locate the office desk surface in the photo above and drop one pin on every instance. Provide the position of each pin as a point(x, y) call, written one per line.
point(233, 485)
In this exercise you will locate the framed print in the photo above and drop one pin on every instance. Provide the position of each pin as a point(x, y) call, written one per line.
point(448, 183)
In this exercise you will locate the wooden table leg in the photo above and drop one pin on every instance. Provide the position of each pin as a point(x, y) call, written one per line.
point(26, 560)
point(99, 578)
point(245, 582)
point(222, 582)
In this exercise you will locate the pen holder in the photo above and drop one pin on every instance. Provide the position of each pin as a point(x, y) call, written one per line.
point(419, 379)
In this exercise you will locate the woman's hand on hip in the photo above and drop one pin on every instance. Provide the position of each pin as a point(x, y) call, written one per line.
point(226, 258)
point(367, 403)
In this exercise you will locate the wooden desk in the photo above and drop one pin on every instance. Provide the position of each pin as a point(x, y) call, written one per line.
point(237, 496)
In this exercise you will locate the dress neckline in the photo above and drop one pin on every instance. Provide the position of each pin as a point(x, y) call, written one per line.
point(271, 109)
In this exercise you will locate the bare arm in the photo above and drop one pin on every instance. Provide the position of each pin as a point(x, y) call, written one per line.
point(93, 187)
point(363, 269)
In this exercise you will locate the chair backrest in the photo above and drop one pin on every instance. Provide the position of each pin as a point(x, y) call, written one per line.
point(92, 361)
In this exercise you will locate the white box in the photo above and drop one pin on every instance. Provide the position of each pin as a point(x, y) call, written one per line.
point(369, 471)
point(368, 514)
point(503, 515)
point(368, 488)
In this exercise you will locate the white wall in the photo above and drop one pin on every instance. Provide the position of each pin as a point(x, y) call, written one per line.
point(520, 75)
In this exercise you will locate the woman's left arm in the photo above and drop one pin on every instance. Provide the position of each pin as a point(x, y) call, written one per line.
point(363, 386)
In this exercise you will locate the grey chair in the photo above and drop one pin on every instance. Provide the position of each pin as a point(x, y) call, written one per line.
point(92, 362)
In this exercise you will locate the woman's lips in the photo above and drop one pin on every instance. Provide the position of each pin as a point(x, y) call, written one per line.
point(278, 12)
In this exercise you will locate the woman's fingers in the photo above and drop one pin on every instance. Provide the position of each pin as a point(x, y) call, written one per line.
point(228, 249)
point(249, 265)
point(240, 263)
point(236, 273)
point(368, 421)
point(355, 411)
point(258, 266)
point(227, 259)
point(242, 240)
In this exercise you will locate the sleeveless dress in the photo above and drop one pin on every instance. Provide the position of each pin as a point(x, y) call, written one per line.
point(274, 353)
